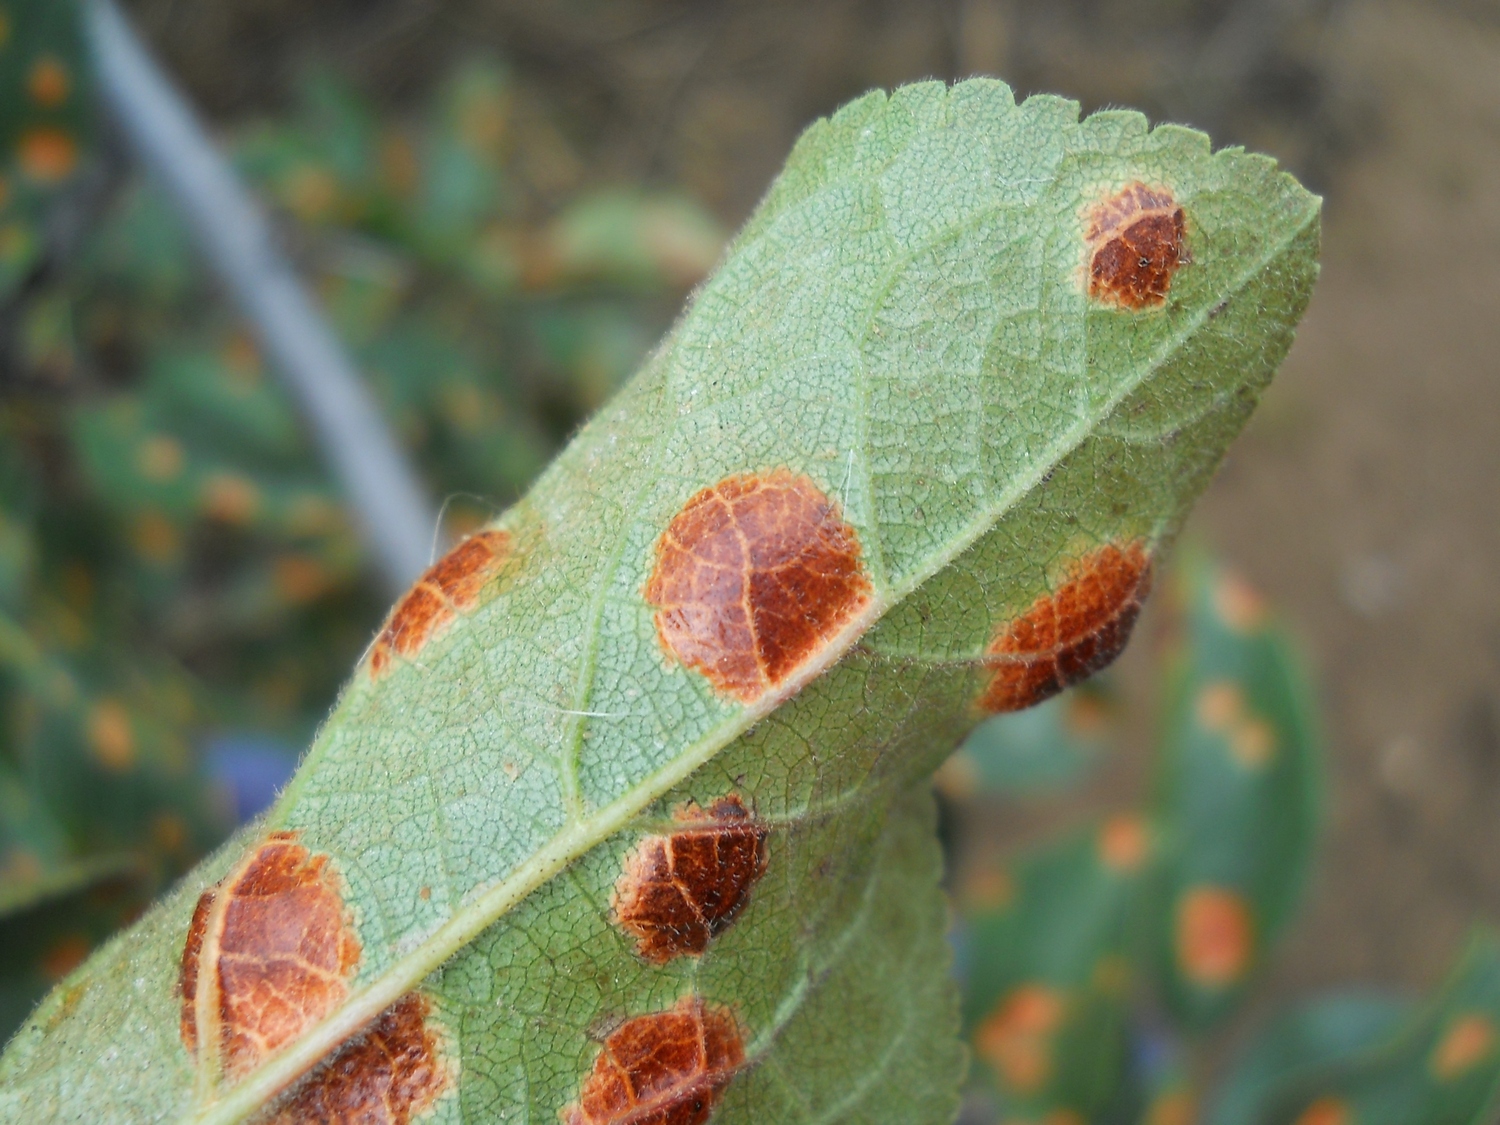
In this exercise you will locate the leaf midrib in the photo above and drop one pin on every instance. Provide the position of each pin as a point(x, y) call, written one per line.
point(577, 838)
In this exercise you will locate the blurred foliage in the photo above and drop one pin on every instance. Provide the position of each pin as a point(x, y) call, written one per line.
point(181, 589)
point(1095, 966)
point(45, 126)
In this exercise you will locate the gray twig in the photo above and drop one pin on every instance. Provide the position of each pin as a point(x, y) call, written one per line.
point(237, 240)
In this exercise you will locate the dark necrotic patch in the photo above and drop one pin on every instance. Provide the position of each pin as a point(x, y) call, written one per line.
point(752, 578)
point(679, 891)
point(1068, 635)
point(1136, 241)
point(667, 1068)
point(386, 1075)
point(450, 587)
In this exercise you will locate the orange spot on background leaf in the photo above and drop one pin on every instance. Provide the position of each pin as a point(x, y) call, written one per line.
point(679, 891)
point(1468, 1040)
point(1068, 635)
point(752, 578)
point(1124, 843)
point(667, 1068)
point(269, 952)
point(111, 735)
point(48, 83)
point(1136, 243)
point(1326, 1111)
point(47, 154)
point(1016, 1038)
point(386, 1075)
point(1215, 936)
point(451, 586)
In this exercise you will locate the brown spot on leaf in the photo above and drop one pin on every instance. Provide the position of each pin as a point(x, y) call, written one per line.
point(1215, 936)
point(1468, 1041)
point(1068, 635)
point(679, 891)
point(1135, 241)
point(269, 953)
point(383, 1076)
point(450, 587)
point(667, 1068)
point(1017, 1037)
point(752, 578)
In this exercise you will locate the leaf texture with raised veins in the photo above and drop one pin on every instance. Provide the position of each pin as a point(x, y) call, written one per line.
point(911, 346)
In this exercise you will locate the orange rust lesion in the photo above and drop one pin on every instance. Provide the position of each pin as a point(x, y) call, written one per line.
point(679, 891)
point(269, 952)
point(387, 1075)
point(1136, 242)
point(450, 587)
point(753, 577)
point(1215, 936)
point(666, 1068)
point(1068, 635)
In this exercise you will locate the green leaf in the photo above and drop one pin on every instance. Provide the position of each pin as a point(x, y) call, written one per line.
point(1441, 1068)
point(1049, 972)
point(1323, 1035)
point(1238, 798)
point(925, 425)
point(1036, 751)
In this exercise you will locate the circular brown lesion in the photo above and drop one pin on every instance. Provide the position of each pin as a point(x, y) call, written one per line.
point(1136, 241)
point(753, 577)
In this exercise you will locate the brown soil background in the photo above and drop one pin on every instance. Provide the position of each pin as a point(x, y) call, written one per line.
point(1363, 499)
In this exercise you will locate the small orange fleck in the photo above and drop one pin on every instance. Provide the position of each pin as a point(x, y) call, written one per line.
point(269, 952)
point(1253, 743)
point(450, 587)
point(1124, 843)
point(169, 832)
point(425, 894)
point(311, 192)
point(48, 83)
point(753, 578)
point(1215, 936)
point(1135, 242)
point(1176, 1107)
point(47, 154)
point(160, 458)
point(385, 1075)
point(990, 888)
point(300, 578)
point(667, 1068)
point(230, 498)
point(1111, 974)
point(1470, 1039)
point(111, 739)
point(1220, 705)
point(1070, 634)
point(1064, 1117)
point(678, 892)
point(1237, 603)
point(65, 956)
point(1016, 1038)
point(400, 165)
point(1326, 1111)
point(155, 539)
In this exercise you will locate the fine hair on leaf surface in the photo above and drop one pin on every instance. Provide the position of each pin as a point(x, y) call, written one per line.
point(907, 458)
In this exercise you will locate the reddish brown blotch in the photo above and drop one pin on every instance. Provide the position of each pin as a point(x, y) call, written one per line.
point(752, 578)
point(269, 953)
point(679, 891)
point(1068, 635)
point(1136, 242)
point(450, 587)
point(667, 1068)
point(386, 1075)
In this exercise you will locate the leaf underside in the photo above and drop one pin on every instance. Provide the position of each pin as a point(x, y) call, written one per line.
point(906, 329)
